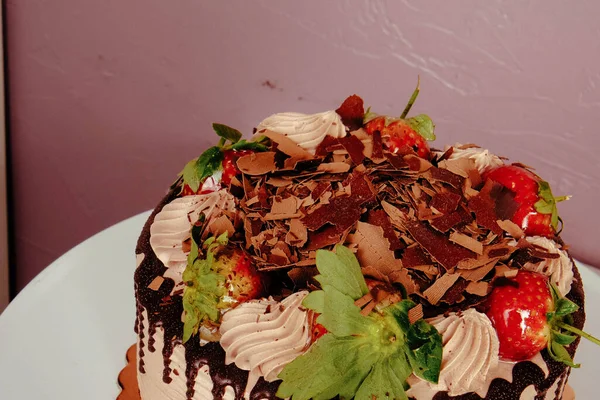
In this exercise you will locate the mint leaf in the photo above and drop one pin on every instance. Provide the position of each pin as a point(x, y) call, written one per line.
point(196, 171)
point(423, 125)
point(341, 270)
point(203, 287)
point(227, 132)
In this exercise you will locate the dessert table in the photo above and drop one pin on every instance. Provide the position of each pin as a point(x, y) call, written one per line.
point(66, 334)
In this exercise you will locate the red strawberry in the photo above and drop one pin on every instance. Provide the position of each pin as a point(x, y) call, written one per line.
point(352, 111)
point(397, 134)
point(230, 168)
point(242, 281)
point(318, 330)
point(537, 213)
point(402, 132)
point(528, 315)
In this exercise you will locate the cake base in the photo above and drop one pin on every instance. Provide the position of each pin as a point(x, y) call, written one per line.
point(128, 377)
point(131, 391)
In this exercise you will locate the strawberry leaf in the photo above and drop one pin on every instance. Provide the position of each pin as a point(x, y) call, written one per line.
point(564, 307)
point(423, 125)
point(257, 145)
point(203, 287)
point(559, 353)
point(227, 132)
point(547, 202)
point(361, 357)
point(196, 171)
point(562, 338)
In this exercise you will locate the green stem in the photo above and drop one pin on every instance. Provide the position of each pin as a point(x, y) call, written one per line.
point(578, 332)
point(561, 198)
point(412, 100)
point(222, 142)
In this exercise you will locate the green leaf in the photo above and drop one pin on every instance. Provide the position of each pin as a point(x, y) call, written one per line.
point(196, 171)
point(369, 116)
point(560, 354)
point(203, 287)
point(227, 132)
point(562, 338)
point(332, 366)
point(547, 202)
point(341, 270)
point(565, 306)
point(423, 125)
point(387, 380)
point(339, 314)
point(246, 145)
point(425, 355)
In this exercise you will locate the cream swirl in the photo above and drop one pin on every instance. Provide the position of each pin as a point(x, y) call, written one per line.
point(306, 130)
point(484, 160)
point(172, 226)
point(559, 270)
point(263, 336)
point(470, 353)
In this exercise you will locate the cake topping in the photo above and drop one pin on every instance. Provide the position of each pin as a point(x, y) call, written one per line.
point(529, 315)
point(308, 131)
point(483, 159)
point(470, 356)
point(548, 259)
point(263, 336)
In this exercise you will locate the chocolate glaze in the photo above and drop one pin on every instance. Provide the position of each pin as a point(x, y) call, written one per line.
point(164, 310)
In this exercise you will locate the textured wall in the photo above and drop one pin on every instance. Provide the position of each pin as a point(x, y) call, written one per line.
point(110, 98)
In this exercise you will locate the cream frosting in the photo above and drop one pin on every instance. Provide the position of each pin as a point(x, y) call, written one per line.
point(470, 360)
point(263, 336)
point(559, 270)
point(172, 226)
point(484, 160)
point(306, 130)
point(528, 393)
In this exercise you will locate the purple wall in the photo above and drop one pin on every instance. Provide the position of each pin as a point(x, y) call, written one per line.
point(110, 98)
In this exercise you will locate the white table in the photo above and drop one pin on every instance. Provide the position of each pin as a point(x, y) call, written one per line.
point(65, 335)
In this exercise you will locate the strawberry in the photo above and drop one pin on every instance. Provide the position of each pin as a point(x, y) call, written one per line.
point(537, 213)
point(402, 132)
point(318, 330)
point(242, 281)
point(397, 134)
point(230, 168)
point(352, 111)
point(529, 315)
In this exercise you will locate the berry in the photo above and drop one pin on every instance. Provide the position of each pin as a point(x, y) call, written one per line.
point(536, 214)
point(529, 315)
point(398, 134)
point(318, 330)
point(230, 168)
point(242, 281)
point(519, 315)
point(352, 111)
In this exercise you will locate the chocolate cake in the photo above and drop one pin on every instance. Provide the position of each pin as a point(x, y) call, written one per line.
point(336, 255)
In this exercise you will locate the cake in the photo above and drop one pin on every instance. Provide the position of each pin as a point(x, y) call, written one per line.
point(337, 255)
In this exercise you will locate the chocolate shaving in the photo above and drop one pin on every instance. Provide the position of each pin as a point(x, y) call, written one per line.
point(511, 228)
point(415, 313)
point(287, 146)
point(447, 222)
point(334, 167)
point(156, 283)
point(297, 234)
point(484, 208)
point(467, 242)
point(257, 163)
point(377, 146)
point(445, 202)
point(220, 225)
point(477, 274)
point(478, 288)
point(443, 175)
point(438, 245)
point(415, 256)
point(381, 219)
point(439, 288)
point(373, 248)
point(456, 293)
point(354, 147)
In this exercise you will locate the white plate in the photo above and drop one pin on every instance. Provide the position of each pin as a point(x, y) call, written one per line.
point(65, 335)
